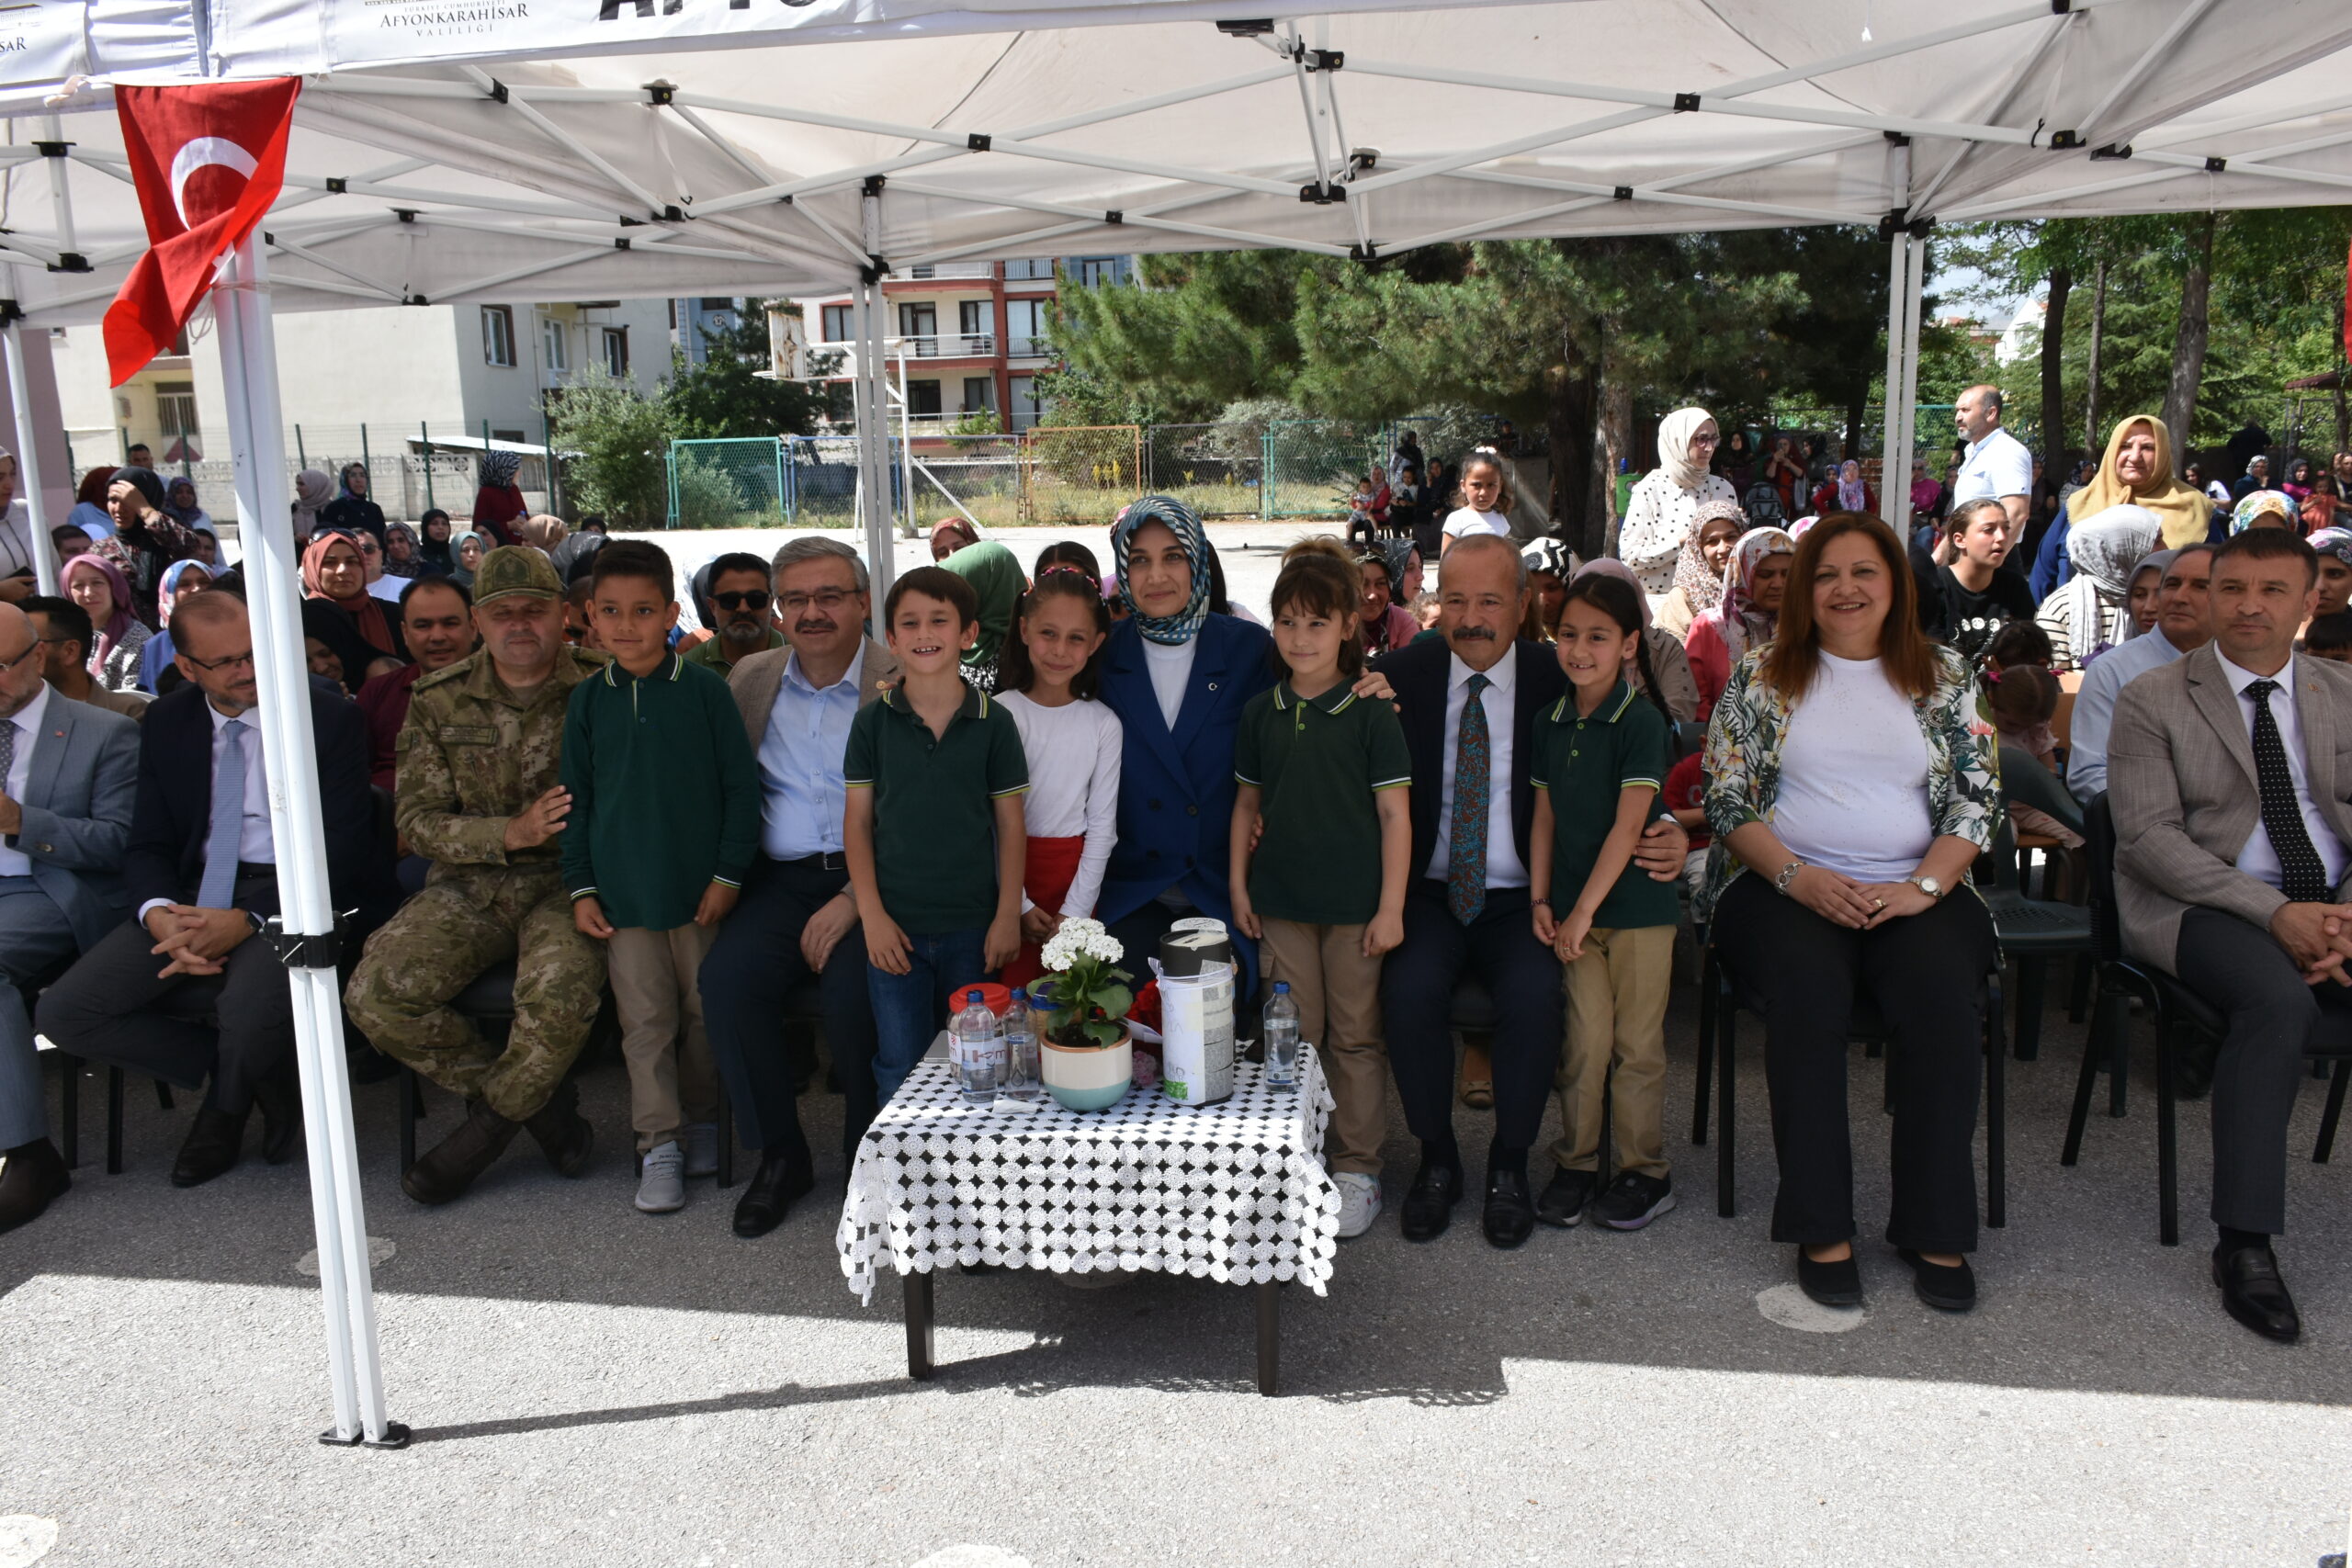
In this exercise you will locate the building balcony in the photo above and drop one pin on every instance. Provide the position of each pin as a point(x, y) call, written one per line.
point(942, 271)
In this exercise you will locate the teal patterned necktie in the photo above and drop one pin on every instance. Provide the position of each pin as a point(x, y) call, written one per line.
point(1465, 843)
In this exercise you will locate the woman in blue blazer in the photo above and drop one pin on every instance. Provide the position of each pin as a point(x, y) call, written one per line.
point(1173, 657)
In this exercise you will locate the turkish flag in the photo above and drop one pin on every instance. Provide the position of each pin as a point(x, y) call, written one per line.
point(206, 162)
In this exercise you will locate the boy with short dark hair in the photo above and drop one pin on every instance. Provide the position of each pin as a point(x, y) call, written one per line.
point(2330, 637)
point(934, 828)
point(666, 819)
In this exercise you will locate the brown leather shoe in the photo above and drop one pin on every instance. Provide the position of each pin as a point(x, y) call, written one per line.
point(442, 1173)
point(31, 1176)
point(563, 1134)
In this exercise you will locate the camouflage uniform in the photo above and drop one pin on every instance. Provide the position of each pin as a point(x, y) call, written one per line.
point(471, 756)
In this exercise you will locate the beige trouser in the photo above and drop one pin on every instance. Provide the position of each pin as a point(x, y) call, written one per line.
point(1338, 992)
point(654, 990)
point(1617, 995)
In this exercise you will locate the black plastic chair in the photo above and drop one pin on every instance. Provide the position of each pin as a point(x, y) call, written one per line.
point(2182, 1017)
point(2032, 930)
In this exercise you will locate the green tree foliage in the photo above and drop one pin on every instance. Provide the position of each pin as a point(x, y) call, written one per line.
point(614, 440)
point(1200, 332)
point(727, 395)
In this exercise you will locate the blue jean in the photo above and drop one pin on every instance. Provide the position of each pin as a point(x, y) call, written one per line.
point(912, 1007)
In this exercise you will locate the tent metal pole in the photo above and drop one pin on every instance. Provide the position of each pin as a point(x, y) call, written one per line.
point(2129, 83)
point(2022, 73)
point(1675, 198)
point(1064, 210)
point(906, 442)
point(241, 308)
point(1898, 274)
point(60, 198)
point(1895, 499)
point(29, 452)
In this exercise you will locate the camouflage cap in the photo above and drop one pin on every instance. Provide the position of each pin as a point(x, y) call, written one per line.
point(515, 569)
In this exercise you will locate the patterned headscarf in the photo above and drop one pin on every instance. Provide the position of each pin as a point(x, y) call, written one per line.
point(1703, 587)
point(1746, 625)
point(2258, 502)
point(2336, 542)
point(1178, 519)
point(499, 468)
point(1852, 494)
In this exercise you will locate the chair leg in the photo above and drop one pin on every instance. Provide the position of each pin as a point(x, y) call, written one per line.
point(412, 1107)
point(1703, 1081)
point(2334, 1112)
point(114, 1120)
point(2168, 1150)
point(163, 1095)
point(1727, 1024)
point(2086, 1081)
point(1997, 1110)
point(2118, 1054)
point(2033, 976)
point(2079, 991)
point(70, 1110)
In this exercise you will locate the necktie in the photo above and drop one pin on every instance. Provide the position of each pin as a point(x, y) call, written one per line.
point(2305, 878)
point(1466, 842)
point(8, 751)
point(218, 889)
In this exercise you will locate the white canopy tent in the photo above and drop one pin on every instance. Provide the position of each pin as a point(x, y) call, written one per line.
point(448, 151)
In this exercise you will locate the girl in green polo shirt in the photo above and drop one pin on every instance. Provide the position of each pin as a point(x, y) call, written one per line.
point(1598, 762)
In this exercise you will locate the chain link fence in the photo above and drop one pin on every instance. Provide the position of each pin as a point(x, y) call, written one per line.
point(1080, 473)
point(743, 482)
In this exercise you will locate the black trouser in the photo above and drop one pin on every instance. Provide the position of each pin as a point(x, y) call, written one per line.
point(237, 1026)
point(1923, 972)
point(753, 967)
point(2249, 978)
point(1417, 1010)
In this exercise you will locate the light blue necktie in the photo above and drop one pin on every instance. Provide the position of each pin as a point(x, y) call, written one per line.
point(220, 885)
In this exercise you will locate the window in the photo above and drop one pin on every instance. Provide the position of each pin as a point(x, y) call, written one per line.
point(1027, 408)
point(1091, 272)
point(554, 344)
point(498, 334)
point(979, 394)
point(1025, 326)
point(1035, 267)
point(920, 322)
point(923, 398)
point(615, 347)
point(840, 323)
point(972, 316)
point(716, 304)
point(175, 415)
point(517, 436)
point(926, 270)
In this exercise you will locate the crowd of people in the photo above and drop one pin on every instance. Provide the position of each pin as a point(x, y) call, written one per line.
point(1531, 772)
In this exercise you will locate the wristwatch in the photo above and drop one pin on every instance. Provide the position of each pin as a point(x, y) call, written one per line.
point(1929, 886)
point(1788, 875)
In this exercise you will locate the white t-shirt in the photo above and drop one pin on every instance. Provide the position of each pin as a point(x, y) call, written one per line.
point(1854, 776)
point(1997, 466)
point(1464, 521)
point(1073, 753)
point(1170, 664)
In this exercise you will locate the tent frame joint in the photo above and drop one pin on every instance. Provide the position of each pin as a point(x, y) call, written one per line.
point(978, 142)
point(497, 90)
point(1321, 195)
point(52, 149)
point(661, 94)
point(2065, 140)
point(2216, 166)
point(2112, 152)
point(872, 184)
point(1685, 103)
point(300, 950)
point(1258, 28)
point(70, 261)
point(1316, 59)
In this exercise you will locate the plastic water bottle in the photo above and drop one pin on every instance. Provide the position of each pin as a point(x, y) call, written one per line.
point(1282, 1036)
point(976, 1046)
point(1023, 1079)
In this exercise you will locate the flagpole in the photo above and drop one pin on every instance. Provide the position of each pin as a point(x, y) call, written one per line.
point(249, 374)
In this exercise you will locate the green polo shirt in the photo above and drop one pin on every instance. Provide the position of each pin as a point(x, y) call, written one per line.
point(935, 805)
point(1317, 762)
point(707, 652)
point(1585, 763)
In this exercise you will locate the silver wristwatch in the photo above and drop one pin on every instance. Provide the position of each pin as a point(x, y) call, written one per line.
point(1788, 875)
point(1929, 886)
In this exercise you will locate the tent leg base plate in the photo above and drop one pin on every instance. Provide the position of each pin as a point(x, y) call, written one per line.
point(395, 1435)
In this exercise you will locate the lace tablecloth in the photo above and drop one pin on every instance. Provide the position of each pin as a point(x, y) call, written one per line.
point(1234, 1193)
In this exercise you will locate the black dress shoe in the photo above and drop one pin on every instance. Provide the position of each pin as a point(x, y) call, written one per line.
point(1565, 1197)
point(1428, 1203)
point(774, 1186)
point(1943, 1286)
point(562, 1134)
point(281, 1098)
point(31, 1176)
point(1510, 1218)
point(212, 1146)
point(368, 1064)
point(1838, 1284)
point(443, 1172)
point(2255, 1295)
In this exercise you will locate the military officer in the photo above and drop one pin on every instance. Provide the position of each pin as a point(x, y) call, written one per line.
point(477, 796)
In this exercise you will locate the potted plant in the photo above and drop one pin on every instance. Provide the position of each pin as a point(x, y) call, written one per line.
point(1082, 1001)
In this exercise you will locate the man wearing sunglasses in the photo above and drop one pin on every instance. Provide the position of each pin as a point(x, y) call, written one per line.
point(744, 614)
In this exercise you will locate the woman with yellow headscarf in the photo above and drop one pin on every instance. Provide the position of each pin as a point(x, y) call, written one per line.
point(2136, 471)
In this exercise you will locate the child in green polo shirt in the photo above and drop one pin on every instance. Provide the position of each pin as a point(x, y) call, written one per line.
point(1597, 763)
point(1324, 891)
point(666, 819)
point(933, 826)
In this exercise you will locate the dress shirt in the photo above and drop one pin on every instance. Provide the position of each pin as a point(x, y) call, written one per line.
point(2259, 860)
point(2103, 681)
point(254, 844)
point(1997, 466)
point(14, 862)
point(1503, 867)
point(801, 796)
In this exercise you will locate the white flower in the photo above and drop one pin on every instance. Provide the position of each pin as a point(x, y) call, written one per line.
point(1080, 939)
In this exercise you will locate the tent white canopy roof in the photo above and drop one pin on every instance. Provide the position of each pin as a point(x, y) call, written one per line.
point(447, 150)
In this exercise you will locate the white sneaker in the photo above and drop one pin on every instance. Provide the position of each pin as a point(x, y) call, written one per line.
point(702, 1148)
point(662, 1185)
point(1359, 1202)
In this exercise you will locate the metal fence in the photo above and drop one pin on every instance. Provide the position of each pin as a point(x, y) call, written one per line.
point(743, 482)
point(409, 469)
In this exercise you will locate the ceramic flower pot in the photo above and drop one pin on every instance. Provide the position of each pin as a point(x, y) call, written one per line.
point(1089, 1078)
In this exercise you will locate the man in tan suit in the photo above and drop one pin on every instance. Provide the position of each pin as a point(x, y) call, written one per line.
point(795, 918)
point(2230, 771)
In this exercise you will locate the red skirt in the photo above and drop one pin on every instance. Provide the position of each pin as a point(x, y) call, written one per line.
point(1052, 866)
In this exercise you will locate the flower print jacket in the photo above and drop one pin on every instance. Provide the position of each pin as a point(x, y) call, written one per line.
point(1743, 764)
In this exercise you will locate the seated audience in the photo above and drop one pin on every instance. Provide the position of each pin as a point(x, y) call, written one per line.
point(1754, 587)
point(2330, 637)
point(465, 550)
point(179, 505)
point(2023, 699)
point(63, 628)
point(341, 614)
point(437, 621)
point(1677, 688)
point(2182, 626)
point(433, 547)
point(98, 587)
point(740, 595)
point(1970, 598)
point(403, 554)
point(89, 512)
point(181, 580)
point(950, 535)
point(2334, 549)
point(2092, 612)
point(1715, 526)
point(145, 538)
point(353, 511)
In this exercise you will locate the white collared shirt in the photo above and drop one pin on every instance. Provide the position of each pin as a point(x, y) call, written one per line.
point(26, 720)
point(801, 793)
point(1997, 466)
point(255, 845)
point(2258, 859)
point(1503, 867)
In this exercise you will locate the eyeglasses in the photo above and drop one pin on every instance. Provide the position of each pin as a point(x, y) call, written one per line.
point(826, 598)
point(214, 666)
point(755, 599)
point(30, 649)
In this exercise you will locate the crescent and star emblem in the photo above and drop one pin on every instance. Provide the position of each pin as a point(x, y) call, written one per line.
point(206, 152)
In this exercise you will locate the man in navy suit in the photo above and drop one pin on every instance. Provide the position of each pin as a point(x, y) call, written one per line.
point(1469, 706)
point(182, 990)
point(67, 774)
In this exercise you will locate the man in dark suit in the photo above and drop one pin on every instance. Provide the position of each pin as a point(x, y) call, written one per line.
point(67, 774)
point(182, 991)
point(1468, 707)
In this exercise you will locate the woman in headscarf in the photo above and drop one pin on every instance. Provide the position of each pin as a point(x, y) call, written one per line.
point(89, 512)
point(1677, 687)
point(98, 586)
point(339, 612)
point(2334, 547)
point(180, 579)
point(499, 501)
point(2147, 578)
point(950, 535)
point(995, 576)
point(1715, 526)
point(313, 491)
point(1754, 583)
point(18, 576)
point(2298, 482)
point(145, 540)
point(1386, 624)
point(467, 547)
point(1926, 495)
point(179, 505)
point(403, 551)
point(1659, 516)
point(433, 546)
point(2093, 612)
point(1550, 564)
point(1845, 491)
point(1736, 461)
point(2137, 471)
point(2265, 509)
point(351, 510)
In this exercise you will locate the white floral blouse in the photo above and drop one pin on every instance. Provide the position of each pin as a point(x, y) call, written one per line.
point(1657, 519)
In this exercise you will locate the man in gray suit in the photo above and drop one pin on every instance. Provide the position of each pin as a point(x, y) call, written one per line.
point(68, 776)
point(796, 918)
point(2229, 772)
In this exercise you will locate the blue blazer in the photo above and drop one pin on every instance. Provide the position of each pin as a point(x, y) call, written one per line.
point(1176, 789)
point(78, 794)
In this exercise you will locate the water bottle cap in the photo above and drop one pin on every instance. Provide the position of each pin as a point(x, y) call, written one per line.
point(971, 997)
point(1282, 987)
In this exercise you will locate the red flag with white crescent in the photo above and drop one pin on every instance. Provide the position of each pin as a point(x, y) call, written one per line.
point(207, 161)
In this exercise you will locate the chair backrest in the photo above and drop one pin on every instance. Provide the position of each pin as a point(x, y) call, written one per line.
point(2098, 837)
point(1690, 739)
point(2025, 781)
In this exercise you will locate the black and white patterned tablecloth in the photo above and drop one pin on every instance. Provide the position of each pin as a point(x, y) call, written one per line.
point(1234, 1193)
